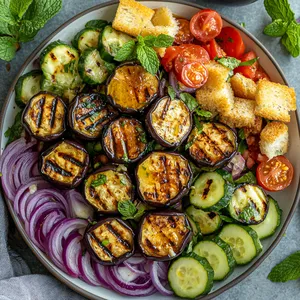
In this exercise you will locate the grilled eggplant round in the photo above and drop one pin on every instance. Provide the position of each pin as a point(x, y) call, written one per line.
point(88, 114)
point(213, 146)
point(169, 122)
point(131, 88)
point(124, 140)
point(110, 241)
point(163, 178)
point(64, 164)
point(164, 235)
point(44, 116)
point(105, 188)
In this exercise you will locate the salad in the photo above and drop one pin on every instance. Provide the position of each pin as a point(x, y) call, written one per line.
point(146, 152)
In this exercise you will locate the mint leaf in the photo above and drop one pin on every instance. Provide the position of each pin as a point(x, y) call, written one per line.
point(276, 28)
point(4, 29)
point(14, 132)
point(229, 62)
point(189, 100)
point(279, 9)
point(126, 51)
point(163, 41)
point(5, 13)
point(126, 208)
point(242, 147)
point(291, 39)
point(7, 48)
point(19, 7)
point(101, 179)
point(226, 175)
point(247, 213)
point(248, 62)
point(148, 58)
point(171, 92)
point(97, 24)
point(247, 178)
point(241, 134)
point(149, 40)
point(105, 243)
point(29, 29)
point(198, 124)
point(288, 269)
point(203, 113)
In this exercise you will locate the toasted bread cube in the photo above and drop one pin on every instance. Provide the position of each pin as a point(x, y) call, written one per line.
point(131, 17)
point(217, 74)
point(274, 101)
point(241, 115)
point(274, 139)
point(163, 17)
point(255, 129)
point(243, 87)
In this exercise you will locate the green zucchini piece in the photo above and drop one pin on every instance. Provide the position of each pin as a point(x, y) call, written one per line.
point(92, 68)
point(190, 276)
point(243, 241)
point(111, 42)
point(211, 192)
point(272, 221)
point(86, 38)
point(208, 222)
point(195, 227)
point(27, 86)
point(249, 204)
point(219, 255)
point(59, 63)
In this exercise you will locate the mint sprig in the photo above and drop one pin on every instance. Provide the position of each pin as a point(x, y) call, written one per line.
point(129, 211)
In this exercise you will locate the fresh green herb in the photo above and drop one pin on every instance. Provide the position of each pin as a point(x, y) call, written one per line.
point(101, 179)
point(198, 124)
point(122, 123)
point(243, 24)
point(97, 165)
point(171, 92)
point(14, 132)
point(125, 157)
point(125, 51)
point(150, 146)
point(20, 21)
point(129, 211)
point(248, 62)
point(288, 269)
point(242, 147)
point(232, 63)
point(1, 174)
point(71, 67)
point(226, 175)
point(105, 243)
point(241, 134)
point(283, 25)
point(123, 181)
point(94, 116)
point(189, 100)
point(96, 24)
point(226, 219)
point(92, 222)
point(247, 178)
point(203, 113)
point(98, 147)
point(189, 144)
point(248, 213)
point(142, 137)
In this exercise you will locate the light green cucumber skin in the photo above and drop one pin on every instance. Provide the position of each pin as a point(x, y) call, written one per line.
point(194, 225)
point(76, 41)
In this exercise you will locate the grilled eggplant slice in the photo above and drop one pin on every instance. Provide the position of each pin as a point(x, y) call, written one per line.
point(124, 140)
point(110, 241)
point(212, 147)
point(169, 122)
point(163, 178)
point(89, 113)
point(249, 204)
point(45, 116)
point(64, 164)
point(105, 188)
point(164, 235)
point(131, 88)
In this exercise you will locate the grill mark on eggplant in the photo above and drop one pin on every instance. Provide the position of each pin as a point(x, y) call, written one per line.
point(39, 118)
point(166, 108)
point(223, 134)
point(206, 189)
point(212, 143)
point(53, 112)
point(57, 169)
point(113, 196)
point(98, 122)
point(71, 159)
point(178, 179)
point(117, 236)
point(165, 177)
point(146, 94)
point(103, 248)
point(89, 113)
point(202, 155)
point(150, 245)
point(172, 222)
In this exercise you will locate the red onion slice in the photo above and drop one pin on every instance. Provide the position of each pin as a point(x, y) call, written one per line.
point(101, 272)
point(134, 269)
point(156, 280)
point(238, 165)
point(136, 260)
point(86, 270)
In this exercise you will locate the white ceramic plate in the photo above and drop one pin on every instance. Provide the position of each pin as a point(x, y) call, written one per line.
point(287, 199)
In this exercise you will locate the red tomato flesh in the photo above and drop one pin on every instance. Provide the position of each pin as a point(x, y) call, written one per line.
point(248, 71)
point(184, 35)
point(194, 74)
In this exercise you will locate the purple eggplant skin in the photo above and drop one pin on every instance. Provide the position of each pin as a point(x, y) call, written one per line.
point(77, 180)
point(137, 91)
point(151, 129)
point(111, 112)
point(137, 141)
point(113, 167)
point(50, 137)
point(170, 213)
point(184, 190)
point(115, 260)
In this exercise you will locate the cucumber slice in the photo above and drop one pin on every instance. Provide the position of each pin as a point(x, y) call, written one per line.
point(111, 42)
point(195, 227)
point(211, 192)
point(86, 38)
point(249, 204)
point(208, 222)
point(243, 241)
point(191, 276)
point(27, 86)
point(59, 63)
point(92, 68)
point(219, 255)
point(271, 222)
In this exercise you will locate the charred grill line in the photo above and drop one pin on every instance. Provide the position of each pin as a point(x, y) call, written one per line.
point(90, 113)
point(123, 141)
point(57, 169)
point(99, 243)
point(147, 94)
point(71, 159)
point(98, 122)
point(206, 189)
point(40, 113)
point(202, 154)
point(53, 111)
point(112, 195)
point(166, 108)
point(117, 236)
point(223, 134)
point(210, 141)
point(150, 245)
point(178, 179)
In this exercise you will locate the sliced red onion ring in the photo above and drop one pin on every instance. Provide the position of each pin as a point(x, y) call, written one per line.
point(86, 270)
point(156, 280)
point(174, 83)
point(134, 269)
point(162, 86)
point(136, 260)
point(162, 270)
point(238, 165)
point(101, 274)
point(126, 274)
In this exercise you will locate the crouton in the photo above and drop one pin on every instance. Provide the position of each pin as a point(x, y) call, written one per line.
point(131, 17)
point(243, 87)
point(217, 74)
point(274, 139)
point(163, 17)
point(274, 101)
point(255, 129)
point(241, 115)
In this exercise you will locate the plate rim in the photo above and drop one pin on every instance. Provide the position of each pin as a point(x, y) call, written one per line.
point(45, 261)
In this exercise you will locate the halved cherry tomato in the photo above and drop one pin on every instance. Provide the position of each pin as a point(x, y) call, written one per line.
point(231, 42)
point(261, 74)
point(194, 74)
point(206, 25)
point(192, 53)
point(248, 71)
point(214, 49)
point(184, 35)
point(170, 54)
point(275, 174)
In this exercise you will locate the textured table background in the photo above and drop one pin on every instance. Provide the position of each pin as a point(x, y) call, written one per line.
point(256, 286)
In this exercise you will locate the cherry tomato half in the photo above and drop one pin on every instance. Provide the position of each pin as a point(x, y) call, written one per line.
point(170, 54)
point(231, 42)
point(261, 74)
point(206, 25)
point(194, 74)
point(275, 174)
point(214, 49)
point(192, 53)
point(184, 35)
point(248, 71)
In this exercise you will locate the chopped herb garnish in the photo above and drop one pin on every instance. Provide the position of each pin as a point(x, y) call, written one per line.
point(189, 144)
point(230, 40)
point(123, 181)
point(125, 157)
point(203, 113)
point(241, 134)
point(189, 100)
point(123, 124)
point(93, 117)
point(171, 92)
point(105, 243)
point(101, 179)
point(142, 138)
point(198, 124)
point(242, 146)
point(243, 24)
